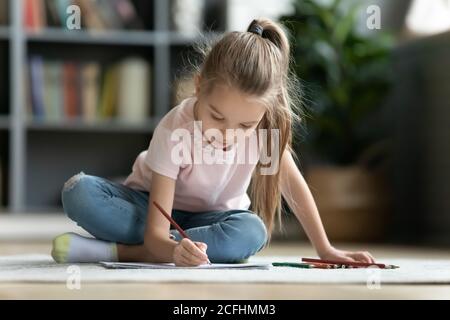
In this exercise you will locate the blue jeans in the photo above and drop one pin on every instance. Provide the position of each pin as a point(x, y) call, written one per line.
point(114, 212)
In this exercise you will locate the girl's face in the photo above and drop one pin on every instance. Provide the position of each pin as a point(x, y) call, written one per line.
point(227, 108)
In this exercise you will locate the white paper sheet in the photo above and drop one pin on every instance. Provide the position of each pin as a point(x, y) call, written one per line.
point(136, 265)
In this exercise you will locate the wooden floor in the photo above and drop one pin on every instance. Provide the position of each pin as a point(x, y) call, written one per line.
point(227, 291)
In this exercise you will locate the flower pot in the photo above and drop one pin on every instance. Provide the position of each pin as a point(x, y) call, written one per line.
point(353, 202)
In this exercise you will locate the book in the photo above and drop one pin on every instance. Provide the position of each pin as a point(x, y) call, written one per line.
point(109, 16)
point(54, 18)
point(40, 15)
point(108, 103)
point(71, 96)
point(53, 95)
point(134, 89)
point(34, 14)
point(36, 71)
point(90, 83)
point(29, 14)
point(4, 12)
point(137, 265)
point(91, 16)
point(128, 15)
point(61, 10)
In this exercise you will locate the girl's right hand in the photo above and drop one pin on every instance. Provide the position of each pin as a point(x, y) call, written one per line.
point(190, 254)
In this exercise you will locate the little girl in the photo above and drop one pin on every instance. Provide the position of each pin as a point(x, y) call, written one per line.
point(201, 160)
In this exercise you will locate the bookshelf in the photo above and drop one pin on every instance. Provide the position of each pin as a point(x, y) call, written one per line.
point(38, 155)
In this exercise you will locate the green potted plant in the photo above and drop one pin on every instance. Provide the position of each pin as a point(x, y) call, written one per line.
point(346, 77)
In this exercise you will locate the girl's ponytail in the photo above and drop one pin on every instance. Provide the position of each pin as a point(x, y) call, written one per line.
point(275, 34)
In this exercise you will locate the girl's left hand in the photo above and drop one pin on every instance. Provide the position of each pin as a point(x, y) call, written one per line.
point(348, 256)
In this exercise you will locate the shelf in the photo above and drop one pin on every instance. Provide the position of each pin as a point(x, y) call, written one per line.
point(4, 122)
point(177, 38)
point(95, 126)
point(132, 38)
point(136, 38)
point(4, 33)
point(34, 147)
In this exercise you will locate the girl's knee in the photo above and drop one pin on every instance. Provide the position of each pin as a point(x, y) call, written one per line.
point(75, 194)
point(246, 234)
point(88, 201)
point(252, 229)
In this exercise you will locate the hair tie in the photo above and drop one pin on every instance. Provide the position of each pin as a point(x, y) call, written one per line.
point(256, 28)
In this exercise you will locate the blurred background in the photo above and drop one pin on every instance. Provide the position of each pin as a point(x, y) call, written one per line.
point(82, 88)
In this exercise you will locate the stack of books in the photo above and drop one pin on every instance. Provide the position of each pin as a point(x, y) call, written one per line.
point(60, 90)
point(95, 14)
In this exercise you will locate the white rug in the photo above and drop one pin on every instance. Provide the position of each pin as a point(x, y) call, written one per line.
point(42, 268)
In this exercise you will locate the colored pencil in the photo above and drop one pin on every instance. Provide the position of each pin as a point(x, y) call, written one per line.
point(350, 264)
point(181, 231)
point(293, 265)
point(299, 265)
point(326, 265)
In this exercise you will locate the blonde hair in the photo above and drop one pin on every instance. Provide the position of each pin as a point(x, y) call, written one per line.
point(259, 65)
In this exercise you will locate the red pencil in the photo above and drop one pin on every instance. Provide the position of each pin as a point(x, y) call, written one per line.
point(353, 264)
point(181, 231)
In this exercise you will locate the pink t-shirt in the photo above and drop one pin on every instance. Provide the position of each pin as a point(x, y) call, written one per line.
point(206, 186)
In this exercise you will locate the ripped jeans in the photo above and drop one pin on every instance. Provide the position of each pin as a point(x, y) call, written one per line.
point(114, 212)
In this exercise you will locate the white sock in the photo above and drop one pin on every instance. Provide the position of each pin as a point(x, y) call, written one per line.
point(71, 247)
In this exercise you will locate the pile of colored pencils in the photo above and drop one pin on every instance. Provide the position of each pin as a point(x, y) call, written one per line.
point(330, 264)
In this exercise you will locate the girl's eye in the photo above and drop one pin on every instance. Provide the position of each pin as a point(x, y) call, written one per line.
point(245, 127)
point(216, 118)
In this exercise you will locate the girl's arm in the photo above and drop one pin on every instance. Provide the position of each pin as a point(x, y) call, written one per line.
point(156, 238)
point(299, 198)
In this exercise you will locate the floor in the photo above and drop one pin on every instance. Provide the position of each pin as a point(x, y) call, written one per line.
point(226, 291)
point(20, 234)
